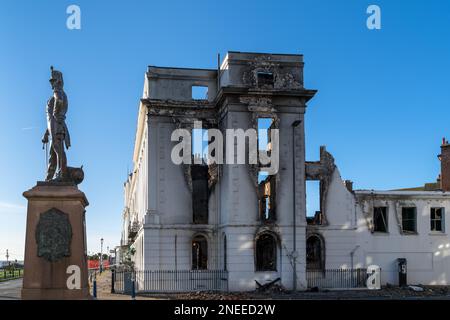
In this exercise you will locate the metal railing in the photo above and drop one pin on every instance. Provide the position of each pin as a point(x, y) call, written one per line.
point(10, 274)
point(337, 278)
point(164, 281)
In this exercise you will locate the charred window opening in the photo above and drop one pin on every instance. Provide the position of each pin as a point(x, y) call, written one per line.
point(199, 144)
point(265, 125)
point(267, 201)
point(314, 202)
point(199, 253)
point(266, 253)
point(437, 219)
point(380, 222)
point(265, 79)
point(200, 193)
point(266, 182)
point(409, 219)
point(199, 92)
point(315, 257)
point(321, 172)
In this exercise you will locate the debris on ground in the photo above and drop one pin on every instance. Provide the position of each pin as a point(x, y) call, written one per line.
point(277, 291)
point(416, 288)
point(267, 286)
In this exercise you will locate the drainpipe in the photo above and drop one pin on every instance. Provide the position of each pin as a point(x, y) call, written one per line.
point(294, 219)
point(176, 252)
point(352, 253)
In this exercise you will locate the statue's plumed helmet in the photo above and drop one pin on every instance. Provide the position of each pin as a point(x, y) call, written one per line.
point(56, 76)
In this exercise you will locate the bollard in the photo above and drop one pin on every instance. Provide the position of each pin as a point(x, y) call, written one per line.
point(133, 290)
point(113, 280)
point(94, 289)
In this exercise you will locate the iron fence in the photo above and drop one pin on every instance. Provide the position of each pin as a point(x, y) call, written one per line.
point(337, 278)
point(10, 274)
point(159, 281)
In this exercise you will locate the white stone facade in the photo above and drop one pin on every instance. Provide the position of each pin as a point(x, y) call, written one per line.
point(158, 219)
point(158, 199)
point(351, 241)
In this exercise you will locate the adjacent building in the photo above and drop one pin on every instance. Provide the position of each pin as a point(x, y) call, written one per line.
point(358, 228)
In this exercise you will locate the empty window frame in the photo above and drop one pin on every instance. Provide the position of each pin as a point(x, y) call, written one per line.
point(313, 201)
point(265, 79)
point(409, 219)
point(380, 219)
point(266, 253)
point(199, 253)
point(266, 182)
point(265, 125)
point(437, 219)
point(199, 92)
point(267, 197)
point(200, 193)
point(199, 144)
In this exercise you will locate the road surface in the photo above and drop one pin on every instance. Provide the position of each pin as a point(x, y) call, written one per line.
point(10, 290)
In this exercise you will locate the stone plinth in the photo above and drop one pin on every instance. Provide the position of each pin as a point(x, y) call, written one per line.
point(55, 242)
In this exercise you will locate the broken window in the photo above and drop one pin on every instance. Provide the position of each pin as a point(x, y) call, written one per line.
point(267, 194)
point(199, 253)
point(199, 144)
point(314, 253)
point(380, 223)
point(200, 193)
point(437, 219)
point(313, 203)
point(199, 92)
point(265, 79)
point(266, 253)
point(409, 219)
point(266, 182)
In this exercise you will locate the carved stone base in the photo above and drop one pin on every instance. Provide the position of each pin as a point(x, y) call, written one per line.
point(55, 243)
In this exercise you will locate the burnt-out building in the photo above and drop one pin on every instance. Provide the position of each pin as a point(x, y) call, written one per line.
point(234, 217)
point(199, 224)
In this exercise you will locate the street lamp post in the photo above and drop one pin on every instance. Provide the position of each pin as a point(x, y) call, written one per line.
point(295, 124)
point(101, 255)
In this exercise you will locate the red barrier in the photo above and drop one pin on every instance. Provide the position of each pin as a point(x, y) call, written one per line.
point(95, 264)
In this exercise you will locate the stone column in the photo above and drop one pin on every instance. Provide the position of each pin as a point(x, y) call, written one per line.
point(55, 245)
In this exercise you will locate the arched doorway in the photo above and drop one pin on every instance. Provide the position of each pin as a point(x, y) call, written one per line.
point(266, 252)
point(315, 253)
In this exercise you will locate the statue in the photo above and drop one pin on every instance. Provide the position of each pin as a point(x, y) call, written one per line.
point(58, 132)
point(55, 243)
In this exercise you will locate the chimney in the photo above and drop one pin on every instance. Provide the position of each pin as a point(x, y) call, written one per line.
point(444, 157)
point(349, 185)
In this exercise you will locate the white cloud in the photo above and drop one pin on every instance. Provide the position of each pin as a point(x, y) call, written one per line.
point(9, 208)
point(28, 128)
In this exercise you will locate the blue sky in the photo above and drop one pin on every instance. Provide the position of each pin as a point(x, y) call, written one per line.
point(381, 108)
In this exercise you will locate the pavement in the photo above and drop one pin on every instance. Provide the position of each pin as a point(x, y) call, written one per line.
point(104, 289)
point(10, 290)
point(387, 293)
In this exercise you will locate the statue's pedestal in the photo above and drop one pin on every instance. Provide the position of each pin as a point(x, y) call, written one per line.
point(55, 243)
